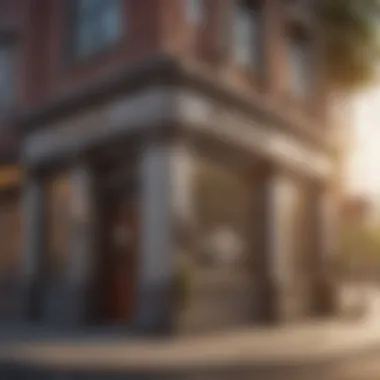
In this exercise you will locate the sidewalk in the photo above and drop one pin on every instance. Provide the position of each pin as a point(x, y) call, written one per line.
point(306, 344)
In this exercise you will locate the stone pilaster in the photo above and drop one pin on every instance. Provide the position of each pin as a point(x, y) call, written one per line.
point(67, 300)
point(275, 246)
point(156, 267)
point(168, 220)
point(32, 273)
point(324, 283)
point(265, 310)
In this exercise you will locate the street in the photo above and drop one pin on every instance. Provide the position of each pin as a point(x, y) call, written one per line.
point(341, 349)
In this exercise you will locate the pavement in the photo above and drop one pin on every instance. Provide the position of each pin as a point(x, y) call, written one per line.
point(305, 350)
point(311, 343)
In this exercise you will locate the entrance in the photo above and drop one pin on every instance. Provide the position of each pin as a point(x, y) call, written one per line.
point(120, 258)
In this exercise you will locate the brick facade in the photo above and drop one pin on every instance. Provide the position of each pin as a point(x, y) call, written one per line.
point(175, 84)
point(46, 72)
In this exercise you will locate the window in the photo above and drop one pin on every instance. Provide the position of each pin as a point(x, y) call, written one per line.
point(195, 11)
point(300, 64)
point(247, 33)
point(98, 25)
point(7, 85)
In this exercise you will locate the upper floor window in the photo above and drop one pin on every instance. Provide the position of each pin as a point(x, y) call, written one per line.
point(195, 11)
point(98, 24)
point(7, 85)
point(247, 32)
point(300, 63)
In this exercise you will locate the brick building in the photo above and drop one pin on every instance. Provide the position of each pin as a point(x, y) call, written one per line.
point(160, 130)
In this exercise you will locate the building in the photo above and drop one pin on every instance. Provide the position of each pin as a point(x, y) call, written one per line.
point(186, 131)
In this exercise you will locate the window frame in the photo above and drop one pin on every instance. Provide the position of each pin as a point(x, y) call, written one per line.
point(8, 43)
point(255, 18)
point(300, 53)
point(72, 47)
point(195, 17)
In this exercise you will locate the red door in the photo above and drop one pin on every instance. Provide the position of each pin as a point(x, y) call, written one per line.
point(122, 262)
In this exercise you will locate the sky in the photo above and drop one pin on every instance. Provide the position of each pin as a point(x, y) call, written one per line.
point(363, 172)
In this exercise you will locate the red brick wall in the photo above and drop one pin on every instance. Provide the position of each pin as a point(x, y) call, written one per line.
point(151, 26)
point(10, 12)
point(208, 49)
point(46, 71)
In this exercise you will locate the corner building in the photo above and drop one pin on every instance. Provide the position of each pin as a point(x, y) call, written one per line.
point(163, 132)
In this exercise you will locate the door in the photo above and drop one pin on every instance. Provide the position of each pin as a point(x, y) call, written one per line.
point(121, 259)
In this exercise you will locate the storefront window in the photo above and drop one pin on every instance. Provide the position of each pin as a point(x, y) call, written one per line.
point(224, 224)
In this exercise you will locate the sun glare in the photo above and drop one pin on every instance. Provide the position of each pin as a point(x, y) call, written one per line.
point(364, 161)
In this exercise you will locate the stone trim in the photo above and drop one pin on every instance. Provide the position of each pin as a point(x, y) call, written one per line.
point(199, 114)
point(156, 111)
point(147, 111)
point(168, 70)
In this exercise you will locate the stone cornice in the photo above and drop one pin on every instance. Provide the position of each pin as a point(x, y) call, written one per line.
point(154, 70)
point(259, 108)
point(167, 70)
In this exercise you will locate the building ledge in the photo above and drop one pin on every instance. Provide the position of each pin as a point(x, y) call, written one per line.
point(168, 70)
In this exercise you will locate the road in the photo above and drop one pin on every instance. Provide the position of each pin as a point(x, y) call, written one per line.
point(363, 369)
point(365, 366)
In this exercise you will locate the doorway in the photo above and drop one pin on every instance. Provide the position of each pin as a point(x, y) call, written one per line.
point(120, 256)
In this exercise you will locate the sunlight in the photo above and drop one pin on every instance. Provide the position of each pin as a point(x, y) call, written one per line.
point(363, 165)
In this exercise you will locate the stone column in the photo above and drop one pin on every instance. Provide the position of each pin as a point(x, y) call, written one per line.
point(326, 225)
point(69, 299)
point(182, 201)
point(167, 220)
point(33, 254)
point(266, 247)
point(264, 305)
point(155, 282)
point(83, 255)
point(274, 266)
point(84, 212)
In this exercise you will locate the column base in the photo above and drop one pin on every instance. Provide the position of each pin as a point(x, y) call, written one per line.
point(156, 312)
